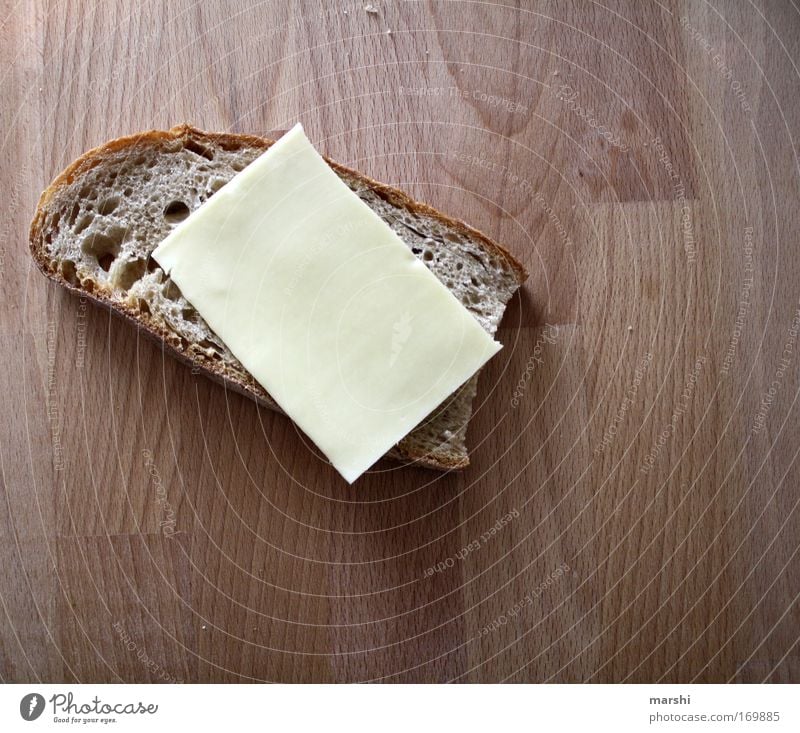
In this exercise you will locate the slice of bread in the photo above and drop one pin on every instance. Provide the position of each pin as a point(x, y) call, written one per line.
point(98, 222)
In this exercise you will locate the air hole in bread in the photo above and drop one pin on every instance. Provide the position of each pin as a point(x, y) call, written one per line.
point(84, 222)
point(476, 258)
point(171, 290)
point(231, 147)
point(210, 346)
point(105, 261)
point(107, 207)
point(152, 265)
point(68, 272)
point(427, 256)
point(104, 247)
point(176, 211)
point(127, 272)
point(216, 184)
point(73, 214)
point(237, 165)
point(143, 307)
point(189, 314)
point(198, 149)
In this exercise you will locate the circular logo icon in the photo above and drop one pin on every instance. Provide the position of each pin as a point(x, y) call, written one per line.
point(31, 706)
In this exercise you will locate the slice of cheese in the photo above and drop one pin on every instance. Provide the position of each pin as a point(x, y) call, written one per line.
point(323, 304)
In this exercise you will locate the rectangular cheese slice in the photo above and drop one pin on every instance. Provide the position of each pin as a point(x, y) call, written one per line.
point(323, 304)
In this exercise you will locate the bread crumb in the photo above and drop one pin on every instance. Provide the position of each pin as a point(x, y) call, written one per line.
point(371, 9)
point(204, 627)
point(388, 31)
point(630, 328)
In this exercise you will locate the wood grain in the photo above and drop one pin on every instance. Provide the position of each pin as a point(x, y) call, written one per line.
point(631, 511)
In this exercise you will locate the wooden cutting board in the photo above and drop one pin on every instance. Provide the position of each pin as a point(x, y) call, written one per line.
point(631, 510)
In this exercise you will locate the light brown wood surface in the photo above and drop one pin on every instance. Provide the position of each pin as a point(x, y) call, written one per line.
point(154, 527)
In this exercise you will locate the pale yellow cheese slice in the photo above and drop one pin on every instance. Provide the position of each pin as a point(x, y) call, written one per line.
point(323, 304)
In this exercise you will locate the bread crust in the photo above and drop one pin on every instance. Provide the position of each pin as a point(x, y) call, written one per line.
point(152, 329)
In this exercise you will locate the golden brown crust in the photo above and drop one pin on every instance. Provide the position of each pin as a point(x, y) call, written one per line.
point(151, 326)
